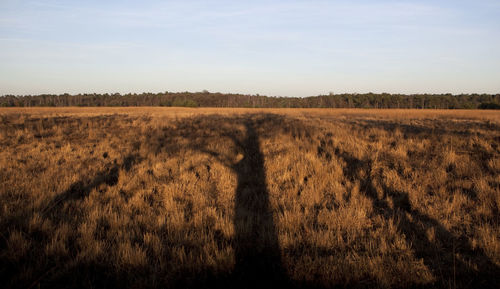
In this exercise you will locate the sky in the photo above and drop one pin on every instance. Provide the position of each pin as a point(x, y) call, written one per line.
point(276, 48)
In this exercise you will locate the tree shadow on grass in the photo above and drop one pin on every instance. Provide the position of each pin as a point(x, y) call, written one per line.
point(257, 252)
point(258, 260)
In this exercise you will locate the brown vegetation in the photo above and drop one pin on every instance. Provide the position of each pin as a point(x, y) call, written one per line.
point(155, 197)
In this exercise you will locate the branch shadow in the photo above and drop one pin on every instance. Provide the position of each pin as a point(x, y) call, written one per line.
point(474, 268)
point(62, 209)
point(428, 127)
point(82, 188)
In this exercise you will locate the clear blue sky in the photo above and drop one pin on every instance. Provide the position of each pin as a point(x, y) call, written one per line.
point(287, 48)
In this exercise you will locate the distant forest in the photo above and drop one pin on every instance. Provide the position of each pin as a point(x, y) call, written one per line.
point(207, 99)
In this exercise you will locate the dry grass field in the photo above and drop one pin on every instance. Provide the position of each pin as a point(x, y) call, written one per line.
point(241, 198)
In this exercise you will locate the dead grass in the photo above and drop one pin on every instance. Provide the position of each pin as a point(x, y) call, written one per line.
point(156, 197)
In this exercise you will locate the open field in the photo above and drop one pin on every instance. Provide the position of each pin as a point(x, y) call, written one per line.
point(180, 198)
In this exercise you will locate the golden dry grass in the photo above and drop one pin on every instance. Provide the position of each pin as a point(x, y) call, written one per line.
point(159, 197)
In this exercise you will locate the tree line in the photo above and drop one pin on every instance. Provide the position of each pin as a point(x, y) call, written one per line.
point(207, 99)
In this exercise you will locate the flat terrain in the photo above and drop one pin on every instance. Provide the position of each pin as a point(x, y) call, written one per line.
point(249, 198)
